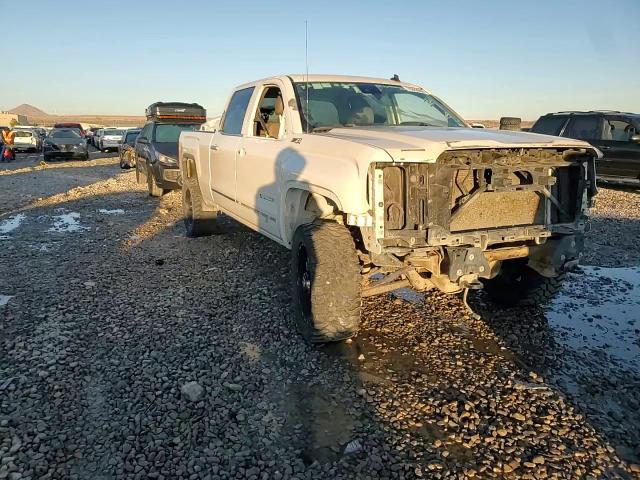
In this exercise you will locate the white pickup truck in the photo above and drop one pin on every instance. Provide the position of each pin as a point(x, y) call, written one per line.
point(377, 185)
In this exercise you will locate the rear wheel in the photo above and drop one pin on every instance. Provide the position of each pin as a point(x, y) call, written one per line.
point(197, 222)
point(517, 284)
point(326, 282)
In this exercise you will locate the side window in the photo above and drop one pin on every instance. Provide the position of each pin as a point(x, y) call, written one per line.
point(550, 125)
point(146, 132)
point(233, 118)
point(618, 130)
point(268, 119)
point(583, 127)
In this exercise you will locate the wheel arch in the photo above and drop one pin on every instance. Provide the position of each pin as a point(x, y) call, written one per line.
point(304, 203)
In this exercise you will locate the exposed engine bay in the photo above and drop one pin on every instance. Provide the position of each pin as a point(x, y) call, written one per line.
point(450, 223)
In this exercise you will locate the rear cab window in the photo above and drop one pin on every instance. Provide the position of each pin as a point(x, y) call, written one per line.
point(549, 125)
point(236, 110)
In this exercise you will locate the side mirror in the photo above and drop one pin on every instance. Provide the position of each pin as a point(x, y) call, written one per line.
point(635, 138)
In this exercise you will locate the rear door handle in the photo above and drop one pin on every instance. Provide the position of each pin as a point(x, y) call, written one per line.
point(214, 147)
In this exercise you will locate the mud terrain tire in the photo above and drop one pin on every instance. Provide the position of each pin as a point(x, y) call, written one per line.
point(510, 123)
point(326, 282)
point(197, 222)
point(154, 189)
point(517, 284)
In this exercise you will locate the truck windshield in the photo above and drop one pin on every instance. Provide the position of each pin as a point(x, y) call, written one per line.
point(171, 133)
point(334, 104)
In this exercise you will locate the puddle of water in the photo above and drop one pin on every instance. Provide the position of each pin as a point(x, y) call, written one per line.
point(4, 299)
point(599, 309)
point(11, 223)
point(67, 223)
point(115, 211)
point(409, 295)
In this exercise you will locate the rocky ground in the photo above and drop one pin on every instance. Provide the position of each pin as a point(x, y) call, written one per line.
point(129, 351)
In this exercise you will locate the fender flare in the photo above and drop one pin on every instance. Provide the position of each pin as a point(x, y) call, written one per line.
point(290, 213)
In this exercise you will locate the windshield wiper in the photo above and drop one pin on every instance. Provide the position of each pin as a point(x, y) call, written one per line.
point(416, 124)
point(326, 128)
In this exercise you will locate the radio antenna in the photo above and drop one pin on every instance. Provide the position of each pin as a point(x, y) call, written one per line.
point(306, 62)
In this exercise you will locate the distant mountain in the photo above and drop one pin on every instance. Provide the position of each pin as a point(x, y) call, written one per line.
point(29, 111)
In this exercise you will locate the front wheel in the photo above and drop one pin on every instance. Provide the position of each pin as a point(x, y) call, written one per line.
point(326, 281)
point(518, 284)
point(154, 189)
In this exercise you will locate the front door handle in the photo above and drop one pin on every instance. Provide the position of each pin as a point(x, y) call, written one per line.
point(214, 147)
point(241, 152)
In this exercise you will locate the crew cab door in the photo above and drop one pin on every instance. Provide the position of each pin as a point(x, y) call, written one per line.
point(258, 189)
point(224, 147)
point(589, 128)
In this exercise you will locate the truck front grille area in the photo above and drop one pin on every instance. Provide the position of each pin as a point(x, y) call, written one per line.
point(481, 197)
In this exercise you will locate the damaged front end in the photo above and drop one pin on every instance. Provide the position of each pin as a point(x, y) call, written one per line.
point(451, 223)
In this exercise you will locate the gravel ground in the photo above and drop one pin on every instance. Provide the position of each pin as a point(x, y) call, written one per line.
point(129, 351)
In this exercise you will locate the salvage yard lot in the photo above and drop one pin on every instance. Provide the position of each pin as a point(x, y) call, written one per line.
point(110, 314)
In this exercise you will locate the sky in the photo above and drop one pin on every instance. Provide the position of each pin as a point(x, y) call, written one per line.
point(486, 59)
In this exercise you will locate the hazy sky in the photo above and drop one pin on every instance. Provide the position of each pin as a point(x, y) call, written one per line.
point(485, 58)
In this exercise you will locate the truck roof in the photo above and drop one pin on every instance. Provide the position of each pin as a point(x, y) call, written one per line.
point(334, 78)
point(592, 112)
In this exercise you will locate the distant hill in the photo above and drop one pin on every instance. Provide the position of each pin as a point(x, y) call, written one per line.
point(29, 111)
point(38, 117)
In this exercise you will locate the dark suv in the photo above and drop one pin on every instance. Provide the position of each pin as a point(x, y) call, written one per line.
point(156, 148)
point(616, 134)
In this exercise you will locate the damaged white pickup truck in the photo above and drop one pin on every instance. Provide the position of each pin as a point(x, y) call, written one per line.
point(377, 185)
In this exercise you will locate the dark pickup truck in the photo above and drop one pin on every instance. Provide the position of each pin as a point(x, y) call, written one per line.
point(156, 148)
point(614, 133)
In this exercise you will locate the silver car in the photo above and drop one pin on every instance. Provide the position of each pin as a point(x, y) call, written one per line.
point(110, 139)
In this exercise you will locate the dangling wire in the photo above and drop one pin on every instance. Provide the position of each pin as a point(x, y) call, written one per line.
point(466, 304)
